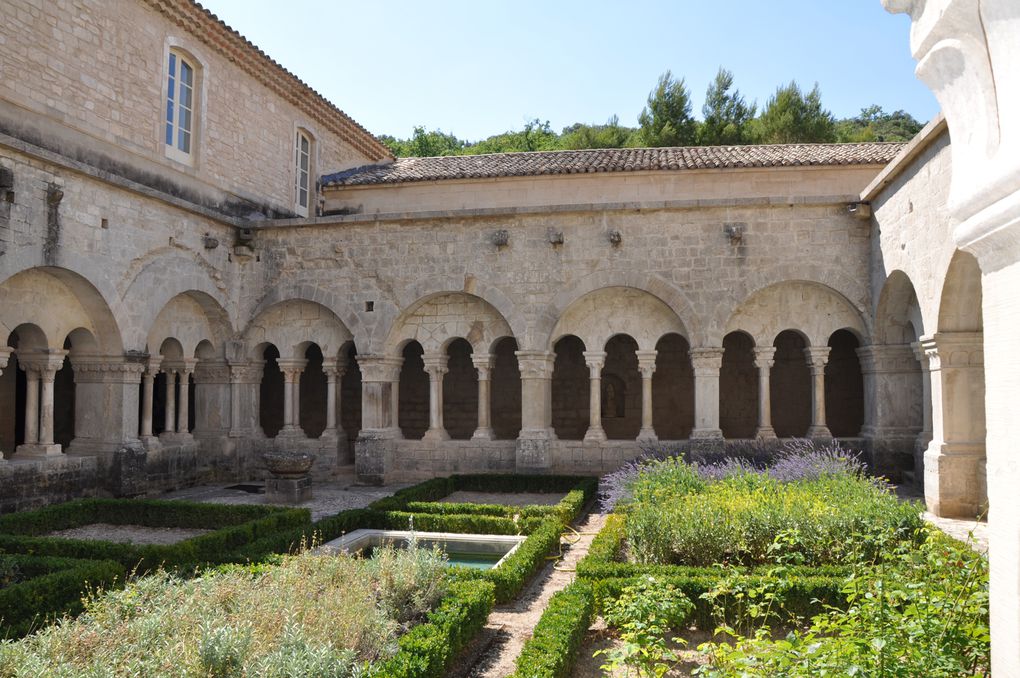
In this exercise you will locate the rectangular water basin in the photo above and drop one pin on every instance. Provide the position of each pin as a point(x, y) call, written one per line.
point(480, 551)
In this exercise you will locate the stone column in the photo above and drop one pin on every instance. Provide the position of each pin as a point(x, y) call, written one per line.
point(148, 381)
point(954, 463)
point(764, 360)
point(483, 364)
point(213, 405)
point(595, 360)
point(646, 365)
point(533, 454)
point(374, 448)
point(817, 357)
point(392, 367)
point(169, 412)
point(245, 381)
point(334, 373)
point(436, 367)
point(292, 369)
point(5, 354)
point(42, 369)
point(892, 406)
point(184, 396)
point(706, 363)
point(924, 437)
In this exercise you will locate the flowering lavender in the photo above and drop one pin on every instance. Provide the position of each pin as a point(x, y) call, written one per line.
point(726, 468)
point(805, 460)
point(614, 487)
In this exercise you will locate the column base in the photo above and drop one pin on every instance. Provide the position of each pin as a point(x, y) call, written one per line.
point(483, 434)
point(595, 435)
point(373, 456)
point(436, 434)
point(647, 435)
point(37, 451)
point(955, 482)
point(291, 431)
point(818, 433)
point(533, 455)
point(765, 433)
point(706, 434)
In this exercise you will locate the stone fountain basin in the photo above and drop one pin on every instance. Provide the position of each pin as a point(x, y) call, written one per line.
point(289, 464)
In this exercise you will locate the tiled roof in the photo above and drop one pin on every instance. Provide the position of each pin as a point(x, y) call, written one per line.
point(613, 160)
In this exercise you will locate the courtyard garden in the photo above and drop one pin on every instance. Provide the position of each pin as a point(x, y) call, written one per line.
point(793, 564)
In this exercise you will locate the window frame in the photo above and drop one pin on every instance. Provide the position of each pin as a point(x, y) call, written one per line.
point(307, 172)
point(174, 109)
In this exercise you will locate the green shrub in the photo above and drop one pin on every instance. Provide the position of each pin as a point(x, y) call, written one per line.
point(511, 576)
point(427, 650)
point(921, 611)
point(736, 520)
point(50, 587)
point(552, 649)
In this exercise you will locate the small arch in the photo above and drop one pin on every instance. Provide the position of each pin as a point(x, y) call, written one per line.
point(844, 386)
point(460, 391)
point(814, 309)
point(311, 414)
point(270, 391)
point(790, 385)
point(673, 388)
point(738, 387)
point(413, 397)
point(621, 389)
point(439, 318)
point(570, 389)
point(600, 315)
point(506, 389)
point(350, 393)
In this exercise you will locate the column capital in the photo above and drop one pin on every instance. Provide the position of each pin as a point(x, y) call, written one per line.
point(378, 367)
point(247, 372)
point(5, 354)
point(958, 349)
point(291, 367)
point(646, 361)
point(44, 362)
point(764, 356)
point(595, 360)
point(707, 360)
point(887, 358)
point(817, 357)
point(436, 364)
point(187, 366)
point(215, 371)
point(483, 362)
point(335, 370)
point(152, 364)
point(90, 369)
point(535, 364)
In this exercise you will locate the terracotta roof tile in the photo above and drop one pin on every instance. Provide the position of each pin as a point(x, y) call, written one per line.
point(539, 163)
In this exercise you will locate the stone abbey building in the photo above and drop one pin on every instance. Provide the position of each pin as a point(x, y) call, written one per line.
point(202, 259)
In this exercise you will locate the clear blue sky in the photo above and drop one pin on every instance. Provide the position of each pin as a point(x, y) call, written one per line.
point(480, 67)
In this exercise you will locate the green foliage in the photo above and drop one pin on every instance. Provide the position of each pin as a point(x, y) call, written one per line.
point(511, 576)
point(644, 613)
point(427, 650)
point(725, 114)
point(234, 527)
point(411, 581)
point(874, 124)
point(552, 649)
point(535, 136)
point(918, 612)
point(666, 119)
point(610, 135)
point(790, 116)
point(424, 144)
point(736, 520)
point(50, 587)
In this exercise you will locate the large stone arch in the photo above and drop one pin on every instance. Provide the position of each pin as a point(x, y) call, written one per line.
point(540, 336)
point(898, 316)
point(355, 324)
point(58, 301)
point(163, 275)
point(291, 325)
point(813, 309)
point(434, 320)
point(960, 302)
point(191, 318)
point(598, 316)
point(425, 288)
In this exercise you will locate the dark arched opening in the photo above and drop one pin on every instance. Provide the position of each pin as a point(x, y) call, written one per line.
point(570, 389)
point(673, 389)
point(738, 387)
point(413, 415)
point(790, 386)
point(844, 386)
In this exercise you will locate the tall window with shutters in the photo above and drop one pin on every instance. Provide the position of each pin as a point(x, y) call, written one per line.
point(180, 107)
point(302, 172)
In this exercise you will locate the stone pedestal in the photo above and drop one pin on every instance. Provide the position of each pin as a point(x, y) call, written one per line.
point(288, 490)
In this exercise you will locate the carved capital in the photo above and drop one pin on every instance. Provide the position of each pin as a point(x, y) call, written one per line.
point(246, 372)
point(291, 368)
point(887, 358)
point(212, 372)
point(106, 369)
point(764, 357)
point(646, 363)
point(45, 363)
point(379, 368)
point(595, 360)
point(706, 361)
point(817, 357)
point(535, 364)
point(436, 364)
point(961, 350)
point(483, 362)
point(5, 354)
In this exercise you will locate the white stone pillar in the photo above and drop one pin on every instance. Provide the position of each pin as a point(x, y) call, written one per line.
point(955, 483)
point(31, 404)
point(924, 437)
point(707, 363)
point(595, 360)
point(817, 357)
point(291, 369)
point(48, 371)
point(646, 365)
point(245, 384)
point(148, 381)
point(170, 409)
point(764, 360)
point(334, 373)
point(436, 367)
point(532, 454)
point(184, 397)
point(483, 364)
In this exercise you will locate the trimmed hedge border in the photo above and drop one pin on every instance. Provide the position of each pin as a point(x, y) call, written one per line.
point(55, 588)
point(427, 650)
point(234, 527)
point(552, 650)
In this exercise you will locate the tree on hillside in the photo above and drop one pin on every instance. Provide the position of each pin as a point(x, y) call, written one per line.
point(610, 135)
point(726, 114)
point(874, 124)
point(666, 120)
point(423, 144)
point(536, 136)
point(790, 116)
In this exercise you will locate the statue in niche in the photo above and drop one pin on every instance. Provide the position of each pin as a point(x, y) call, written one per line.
point(612, 397)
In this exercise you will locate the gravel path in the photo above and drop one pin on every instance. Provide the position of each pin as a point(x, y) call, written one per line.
point(128, 534)
point(510, 626)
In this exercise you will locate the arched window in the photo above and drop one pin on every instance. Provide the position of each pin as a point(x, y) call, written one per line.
point(182, 81)
point(302, 172)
